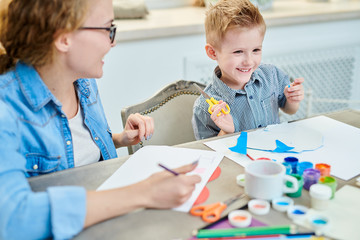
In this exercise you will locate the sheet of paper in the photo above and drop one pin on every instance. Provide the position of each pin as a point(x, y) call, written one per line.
point(144, 163)
point(297, 137)
point(343, 213)
point(340, 147)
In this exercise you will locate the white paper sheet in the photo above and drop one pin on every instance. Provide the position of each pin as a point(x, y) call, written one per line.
point(343, 213)
point(144, 163)
point(340, 147)
point(299, 137)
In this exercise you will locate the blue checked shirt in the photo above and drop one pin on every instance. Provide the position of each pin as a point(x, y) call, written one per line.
point(35, 139)
point(254, 107)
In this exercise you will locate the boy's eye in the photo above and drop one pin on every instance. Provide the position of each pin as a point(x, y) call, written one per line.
point(238, 51)
point(257, 50)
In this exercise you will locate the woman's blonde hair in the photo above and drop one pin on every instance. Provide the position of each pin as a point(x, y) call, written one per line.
point(231, 13)
point(28, 28)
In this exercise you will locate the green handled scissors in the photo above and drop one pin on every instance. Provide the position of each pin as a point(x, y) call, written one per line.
point(211, 101)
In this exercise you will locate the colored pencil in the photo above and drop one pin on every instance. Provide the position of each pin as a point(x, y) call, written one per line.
point(244, 232)
point(272, 236)
point(168, 169)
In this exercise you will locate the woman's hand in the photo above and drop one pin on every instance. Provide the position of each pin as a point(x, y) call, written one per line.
point(165, 190)
point(137, 128)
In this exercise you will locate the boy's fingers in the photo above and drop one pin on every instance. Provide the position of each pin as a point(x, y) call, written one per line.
point(299, 81)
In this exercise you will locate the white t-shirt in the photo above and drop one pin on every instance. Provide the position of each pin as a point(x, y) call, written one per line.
point(85, 149)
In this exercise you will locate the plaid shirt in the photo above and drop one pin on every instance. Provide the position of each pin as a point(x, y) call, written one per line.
point(255, 106)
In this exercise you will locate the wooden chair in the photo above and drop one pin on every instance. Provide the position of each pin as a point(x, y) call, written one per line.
point(172, 110)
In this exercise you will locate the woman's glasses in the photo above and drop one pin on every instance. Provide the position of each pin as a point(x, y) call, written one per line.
point(111, 30)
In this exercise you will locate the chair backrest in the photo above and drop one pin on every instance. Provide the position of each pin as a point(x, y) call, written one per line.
point(172, 110)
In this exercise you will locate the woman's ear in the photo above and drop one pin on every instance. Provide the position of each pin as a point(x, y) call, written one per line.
point(210, 51)
point(62, 42)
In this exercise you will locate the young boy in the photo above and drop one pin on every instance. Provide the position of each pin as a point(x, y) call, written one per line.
point(254, 92)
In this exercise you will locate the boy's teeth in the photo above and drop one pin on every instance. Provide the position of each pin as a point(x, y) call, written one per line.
point(242, 70)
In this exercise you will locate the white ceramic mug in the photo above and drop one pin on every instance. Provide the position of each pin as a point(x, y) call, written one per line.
point(267, 180)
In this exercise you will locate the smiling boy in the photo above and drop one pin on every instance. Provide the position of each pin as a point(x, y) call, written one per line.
point(235, 32)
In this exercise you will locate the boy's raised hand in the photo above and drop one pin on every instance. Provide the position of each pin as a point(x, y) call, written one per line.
point(224, 121)
point(295, 93)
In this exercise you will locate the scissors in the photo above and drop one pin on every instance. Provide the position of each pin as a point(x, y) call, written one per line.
point(211, 213)
point(211, 101)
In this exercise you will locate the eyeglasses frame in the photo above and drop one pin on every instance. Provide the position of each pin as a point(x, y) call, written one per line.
point(111, 30)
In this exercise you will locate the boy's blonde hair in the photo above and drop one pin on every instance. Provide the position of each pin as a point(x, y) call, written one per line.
point(231, 13)
point(28, 28)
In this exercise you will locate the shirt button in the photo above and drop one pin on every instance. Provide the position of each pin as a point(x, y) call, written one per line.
point(96, 138)
point(62, 115)
point(68, 142)
point(259, 126)
point(251, 97)
point(35, 167)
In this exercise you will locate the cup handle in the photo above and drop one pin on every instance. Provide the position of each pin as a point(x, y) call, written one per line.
point(295, 184)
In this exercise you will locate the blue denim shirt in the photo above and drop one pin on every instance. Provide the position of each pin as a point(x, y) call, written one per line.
point(35, 139)
point(257, 105)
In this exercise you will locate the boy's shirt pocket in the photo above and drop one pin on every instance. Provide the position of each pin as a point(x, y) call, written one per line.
point(270, 109)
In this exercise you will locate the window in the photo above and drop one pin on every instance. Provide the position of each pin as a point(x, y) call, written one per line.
point(155, 4)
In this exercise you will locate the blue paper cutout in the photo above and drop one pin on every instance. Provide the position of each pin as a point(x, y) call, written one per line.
point(241, 145)
point(281, 147)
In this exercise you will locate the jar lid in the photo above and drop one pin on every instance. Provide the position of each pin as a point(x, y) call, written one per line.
point(240, 218)
point(297, 212)
point(320, 191)
point(240, 180)
point(281, 204)
point(259, 206)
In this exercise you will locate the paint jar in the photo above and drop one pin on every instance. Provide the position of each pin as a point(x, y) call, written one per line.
point(288, 167)
point(300, 186)
point(293, 161)
point(302, 166)
point(320, 195)
point(311, 176)
point(331, 182)
point(323, 168)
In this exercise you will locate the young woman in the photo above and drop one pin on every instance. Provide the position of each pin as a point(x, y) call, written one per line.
point(51, 118)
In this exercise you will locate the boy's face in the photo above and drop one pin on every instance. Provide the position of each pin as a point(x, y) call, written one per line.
point(239, 54)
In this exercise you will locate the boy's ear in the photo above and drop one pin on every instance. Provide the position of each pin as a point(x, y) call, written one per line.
point(62, 42)
point(210, 51)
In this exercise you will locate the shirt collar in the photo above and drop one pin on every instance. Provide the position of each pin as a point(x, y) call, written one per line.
point(34, 89)
point(82, 86)
point(228, 94)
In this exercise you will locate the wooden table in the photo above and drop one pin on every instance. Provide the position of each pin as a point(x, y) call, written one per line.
point(168, 224)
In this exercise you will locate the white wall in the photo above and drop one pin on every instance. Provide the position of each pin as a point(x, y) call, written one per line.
point(134, 71)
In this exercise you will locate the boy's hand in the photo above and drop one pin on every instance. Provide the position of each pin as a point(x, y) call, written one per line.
point(224, 121)
point(295, 93)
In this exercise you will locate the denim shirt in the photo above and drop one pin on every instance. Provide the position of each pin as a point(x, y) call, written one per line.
point(35, 139)
point(257, 105)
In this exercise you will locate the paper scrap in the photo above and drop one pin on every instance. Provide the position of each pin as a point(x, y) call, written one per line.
point(241, 145)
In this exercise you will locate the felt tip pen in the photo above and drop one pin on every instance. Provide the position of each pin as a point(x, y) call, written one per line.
point(244, 232)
